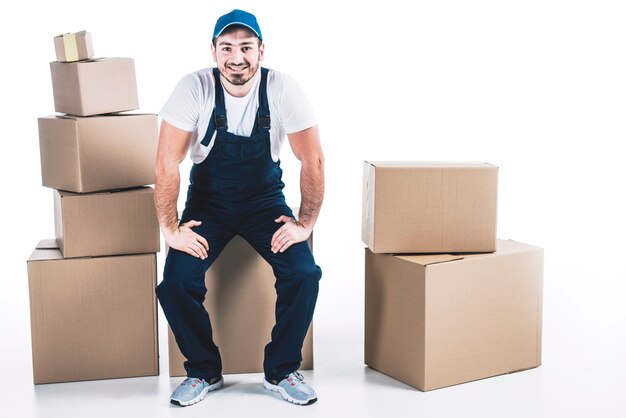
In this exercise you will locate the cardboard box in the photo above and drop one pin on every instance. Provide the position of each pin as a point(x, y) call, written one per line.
point(106, 223)
point(240, 300)
point(438, 320)
point(429, 207)
point(93, 87)
point(96, 153)
point(92, 318)
point(73, 46)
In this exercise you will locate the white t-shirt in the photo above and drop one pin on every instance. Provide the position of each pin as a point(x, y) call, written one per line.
point(191, 104)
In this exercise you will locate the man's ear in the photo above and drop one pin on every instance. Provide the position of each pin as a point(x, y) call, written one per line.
point(213, 52)
point(261, 51)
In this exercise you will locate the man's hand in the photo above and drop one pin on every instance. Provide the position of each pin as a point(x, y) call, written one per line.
point(290, 233)
point(184, 239)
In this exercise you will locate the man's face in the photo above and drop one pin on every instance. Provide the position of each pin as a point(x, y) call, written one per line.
point(238, 55)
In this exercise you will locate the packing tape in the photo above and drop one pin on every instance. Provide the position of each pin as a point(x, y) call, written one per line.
point(71, 49)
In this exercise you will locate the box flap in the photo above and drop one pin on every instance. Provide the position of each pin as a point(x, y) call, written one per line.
point(430, 164)
point(64, 116)
point(85, 61)
point(138, 189)
point(504, 247)
point(47, 249)
point(100, 59)
point(126, 114)
point(131, 113)
point(79, 33)
point(47, 244)
point(427, 259)
point(59, 116)
point(106, 115)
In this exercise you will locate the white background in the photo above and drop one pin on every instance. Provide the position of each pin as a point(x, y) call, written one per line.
point(535, 87)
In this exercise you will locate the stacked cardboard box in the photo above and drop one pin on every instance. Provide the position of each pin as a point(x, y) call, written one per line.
point(445, 301)
point(93, 307)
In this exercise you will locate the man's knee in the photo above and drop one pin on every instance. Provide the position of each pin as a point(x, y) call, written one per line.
point(170, 288)
point(312, 273)
point(181, 266)
point(306, 275)
point(182, 274)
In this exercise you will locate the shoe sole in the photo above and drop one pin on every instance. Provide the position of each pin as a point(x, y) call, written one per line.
point(215, 386)
point(285, 395)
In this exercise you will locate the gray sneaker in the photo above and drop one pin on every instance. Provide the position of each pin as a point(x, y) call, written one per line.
point(194, 390)
point(293, 389)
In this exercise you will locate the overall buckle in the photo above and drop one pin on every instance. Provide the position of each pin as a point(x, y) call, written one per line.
point(264, 121)
point(221, 121)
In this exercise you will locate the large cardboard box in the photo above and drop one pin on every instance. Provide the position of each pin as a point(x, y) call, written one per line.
point(87, 154)
point(93, 87)
point(240, 300)
point(92, 318)
point(73, 46)
point(106, 223)
point(429, 207)
point(439, 320)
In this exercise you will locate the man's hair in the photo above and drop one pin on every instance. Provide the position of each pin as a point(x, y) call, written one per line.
point(233, 28)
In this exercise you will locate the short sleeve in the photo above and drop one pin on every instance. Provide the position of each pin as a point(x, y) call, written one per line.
point(182, 109)
point(296, 113)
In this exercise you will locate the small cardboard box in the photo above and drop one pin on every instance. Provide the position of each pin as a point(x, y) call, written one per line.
point(94, 87)
point(429, 207)
point(87, 154)
point(71, 47)
point(106, 223)
point(438, 320)
point(240, 300)
point(92, 318)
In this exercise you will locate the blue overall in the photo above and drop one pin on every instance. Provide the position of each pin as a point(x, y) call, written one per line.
point(237, 189)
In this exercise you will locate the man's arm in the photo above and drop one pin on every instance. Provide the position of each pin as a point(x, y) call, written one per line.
point(307, 148)
point(173, 145)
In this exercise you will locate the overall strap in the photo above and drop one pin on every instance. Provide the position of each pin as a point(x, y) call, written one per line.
point(263, 113)
point(220, 105)
point(218, 117)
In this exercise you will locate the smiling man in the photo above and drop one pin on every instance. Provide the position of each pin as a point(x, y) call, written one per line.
point(234, 119)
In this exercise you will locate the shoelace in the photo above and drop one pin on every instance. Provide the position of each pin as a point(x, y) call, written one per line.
point(295, 378)
point(190, 381)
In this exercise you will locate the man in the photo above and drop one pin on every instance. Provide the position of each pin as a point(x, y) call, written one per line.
point(235, 117)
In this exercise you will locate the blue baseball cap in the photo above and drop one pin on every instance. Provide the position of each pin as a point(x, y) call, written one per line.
point(237, 17)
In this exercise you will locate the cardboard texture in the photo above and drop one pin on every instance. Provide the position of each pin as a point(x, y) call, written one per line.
point(73, 46)
point(93, 87)
point(106, 223)
point(425, 207)
point(92, 318)
point(240, 300)
point(436, 321)
point(87, 154)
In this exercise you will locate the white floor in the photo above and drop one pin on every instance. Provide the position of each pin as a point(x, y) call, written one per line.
point(583, 374)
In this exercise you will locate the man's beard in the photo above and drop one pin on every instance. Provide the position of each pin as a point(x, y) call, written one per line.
point(241, 79)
